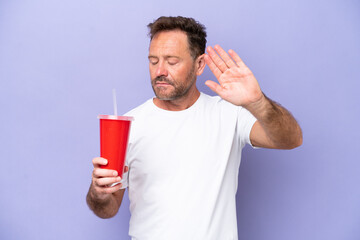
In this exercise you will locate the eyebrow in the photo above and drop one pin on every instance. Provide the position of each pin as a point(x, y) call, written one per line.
point(168, 56)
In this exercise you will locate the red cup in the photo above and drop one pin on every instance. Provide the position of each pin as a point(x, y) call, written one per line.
point(114, 136)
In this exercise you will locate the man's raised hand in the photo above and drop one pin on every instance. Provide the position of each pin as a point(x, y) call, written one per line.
point(237, 84)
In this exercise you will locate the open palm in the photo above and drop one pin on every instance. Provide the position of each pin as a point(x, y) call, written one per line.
point(237, 84)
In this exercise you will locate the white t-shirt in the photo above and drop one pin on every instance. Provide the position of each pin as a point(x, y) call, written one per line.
point(183, 170)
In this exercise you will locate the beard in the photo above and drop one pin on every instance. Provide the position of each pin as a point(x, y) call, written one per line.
point(180, 89)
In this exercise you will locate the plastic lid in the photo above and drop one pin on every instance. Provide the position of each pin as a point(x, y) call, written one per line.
point(113, 117)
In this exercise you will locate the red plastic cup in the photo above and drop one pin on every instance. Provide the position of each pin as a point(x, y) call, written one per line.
point(114, 136)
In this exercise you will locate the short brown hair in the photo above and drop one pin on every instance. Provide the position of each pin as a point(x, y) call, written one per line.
point(194, 30)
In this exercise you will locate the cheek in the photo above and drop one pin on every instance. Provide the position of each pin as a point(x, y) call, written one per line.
point(181, 73)
point(152, 72)
point(172, 73)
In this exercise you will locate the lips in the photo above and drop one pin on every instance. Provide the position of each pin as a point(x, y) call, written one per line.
point(162, 84)
point(161, 81)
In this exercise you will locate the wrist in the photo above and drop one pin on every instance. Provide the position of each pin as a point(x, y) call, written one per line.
point(258, 106)
point(98, 197)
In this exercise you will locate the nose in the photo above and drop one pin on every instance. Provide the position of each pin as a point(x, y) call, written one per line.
point(161, 70)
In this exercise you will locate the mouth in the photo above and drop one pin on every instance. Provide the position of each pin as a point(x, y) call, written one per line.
point(162, 84)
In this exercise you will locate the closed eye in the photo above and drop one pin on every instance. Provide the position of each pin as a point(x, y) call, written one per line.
point(153, 60)
point(172, 62)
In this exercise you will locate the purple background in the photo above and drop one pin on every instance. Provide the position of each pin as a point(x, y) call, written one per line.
point(59, 61)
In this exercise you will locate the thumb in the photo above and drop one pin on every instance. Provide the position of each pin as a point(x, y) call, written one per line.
point(214, 86)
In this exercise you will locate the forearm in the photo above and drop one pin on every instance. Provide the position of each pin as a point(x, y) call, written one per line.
point(281, 128)
point(102, 207)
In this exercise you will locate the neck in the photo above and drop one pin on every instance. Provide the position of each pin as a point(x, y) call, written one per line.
point(179, 104)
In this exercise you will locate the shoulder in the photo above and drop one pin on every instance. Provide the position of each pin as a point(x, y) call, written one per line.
point(216, 102)
point(142, 109)
point(210, 99)
point(227, 110)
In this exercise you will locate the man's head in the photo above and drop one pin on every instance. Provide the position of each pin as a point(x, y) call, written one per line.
point(195, 31)
point(175, 56)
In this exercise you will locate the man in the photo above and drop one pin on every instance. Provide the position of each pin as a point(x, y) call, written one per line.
point(185, 147)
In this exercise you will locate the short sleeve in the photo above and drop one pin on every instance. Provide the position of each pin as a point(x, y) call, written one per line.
point(245, 123)
point(124, 180)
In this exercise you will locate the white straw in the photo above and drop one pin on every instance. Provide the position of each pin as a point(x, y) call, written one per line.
point(114, 101)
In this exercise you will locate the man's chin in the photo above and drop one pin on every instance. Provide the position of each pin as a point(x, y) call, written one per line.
point(163, 95)
point(166, 94)
point(165, 98)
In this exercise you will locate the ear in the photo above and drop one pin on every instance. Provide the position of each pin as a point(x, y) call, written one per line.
point(200, 64)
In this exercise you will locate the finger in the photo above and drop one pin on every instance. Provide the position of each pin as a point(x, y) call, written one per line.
point(214, 87)
point(112, 189)
point(105, 182)
point(226, 58)
point(126, 169)
point(236, 58)
point(216, 59)
point(99, 161)
point(101, 173)
point(214, 69)
point(108, 189)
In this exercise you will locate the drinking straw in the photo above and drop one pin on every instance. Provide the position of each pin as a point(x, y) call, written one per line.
point(114, 101)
